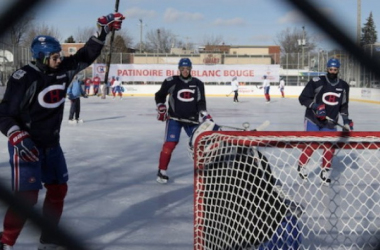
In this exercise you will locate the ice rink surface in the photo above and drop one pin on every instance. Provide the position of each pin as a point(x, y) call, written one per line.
point(114, 201)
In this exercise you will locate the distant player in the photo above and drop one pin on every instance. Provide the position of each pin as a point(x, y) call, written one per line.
point(281, 86)
point(187, 100)
point(324, 96)
point(109, 85)
point(235, 88)
point(87, 85)
point(117, 88)
point(266, 87)
point(96, 82)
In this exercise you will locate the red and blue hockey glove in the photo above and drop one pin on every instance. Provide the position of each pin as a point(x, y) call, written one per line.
point(205, 116)
point(162, 114)
point(348, 125)
point(24, 146)
point(320, 111)
point(109, 23)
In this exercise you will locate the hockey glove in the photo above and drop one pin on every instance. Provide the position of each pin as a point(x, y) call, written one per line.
point(348, 125)
point(109, 23)
point(162, 112)
point(205, 116)
point(320, 111)
point(24, 146)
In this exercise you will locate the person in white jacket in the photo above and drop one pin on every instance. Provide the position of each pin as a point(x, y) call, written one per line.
point(235, 88)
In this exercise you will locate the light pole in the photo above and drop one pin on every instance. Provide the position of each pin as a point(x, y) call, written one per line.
point(302, 43)
point(303, 47)
point(141, 31)
point(358, 32)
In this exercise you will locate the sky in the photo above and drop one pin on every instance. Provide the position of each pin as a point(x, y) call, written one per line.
point(237, 22)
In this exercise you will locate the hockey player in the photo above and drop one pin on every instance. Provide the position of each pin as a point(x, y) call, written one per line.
point(96, 81)
point(324, 96)
point(281, 86)
point(31, 114)
point(87, 85)
point(235, 88)
point(266, 87)
point(186, 101)
point(117, 88)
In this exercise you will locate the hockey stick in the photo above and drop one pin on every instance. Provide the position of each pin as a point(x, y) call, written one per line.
point(338, 124)
point(108, 61)
point(261, 127)
point(229, 94)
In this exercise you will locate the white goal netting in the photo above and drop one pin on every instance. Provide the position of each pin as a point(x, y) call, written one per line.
point(249, 195)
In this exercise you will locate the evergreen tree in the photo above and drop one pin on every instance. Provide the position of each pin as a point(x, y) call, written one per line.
point(369, 33)
point(70, 40)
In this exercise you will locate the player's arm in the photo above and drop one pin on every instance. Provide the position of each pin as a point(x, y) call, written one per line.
point(86, 55)
point(348, 123)
point(201, 103)
point(161, 94)
point(306, 97)
point(11, 103)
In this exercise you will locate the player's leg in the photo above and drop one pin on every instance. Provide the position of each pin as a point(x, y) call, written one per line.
point(172, 135)
point(307, 151)
point(26, 183)
point(77, 111)
point(55, 177)
point(72, 110)
point(328, 154)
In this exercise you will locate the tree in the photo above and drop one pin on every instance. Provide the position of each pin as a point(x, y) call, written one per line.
point(15, 37)
point(40, 29)
point(212, 40)
point(369, 33)
point(82, 34)
point(159, 40)
point(70, 39)
point(290, 42)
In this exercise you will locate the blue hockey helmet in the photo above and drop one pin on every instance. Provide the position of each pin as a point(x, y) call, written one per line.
point(43, 46)
point(333, 63)
point(184, 62)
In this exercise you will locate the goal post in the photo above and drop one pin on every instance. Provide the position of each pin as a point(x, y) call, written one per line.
point(248, 193)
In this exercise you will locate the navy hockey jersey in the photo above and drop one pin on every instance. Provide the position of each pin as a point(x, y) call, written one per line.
point(186, 99)
point(34, 100)
point(335, 97)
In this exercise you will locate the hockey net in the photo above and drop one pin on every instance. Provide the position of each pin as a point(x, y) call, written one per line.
point(249, 195)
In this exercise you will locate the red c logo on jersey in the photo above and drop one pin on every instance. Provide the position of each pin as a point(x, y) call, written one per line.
point(330, 98)
point(186, 95)
point(52, 96)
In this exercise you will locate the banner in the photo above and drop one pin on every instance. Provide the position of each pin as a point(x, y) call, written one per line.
point(206, 73)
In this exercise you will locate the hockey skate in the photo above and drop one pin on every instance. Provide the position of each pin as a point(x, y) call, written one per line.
point(302, 172)
point(4, 246)
point(325, 176)
point(72, 121)
point(162, 177)
point(79, 121)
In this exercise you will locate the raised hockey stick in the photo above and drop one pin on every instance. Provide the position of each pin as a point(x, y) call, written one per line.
point(108, 61)
point(261, 127)
point(337, 123)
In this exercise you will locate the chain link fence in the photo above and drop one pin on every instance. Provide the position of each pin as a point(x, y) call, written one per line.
point(296, 68)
